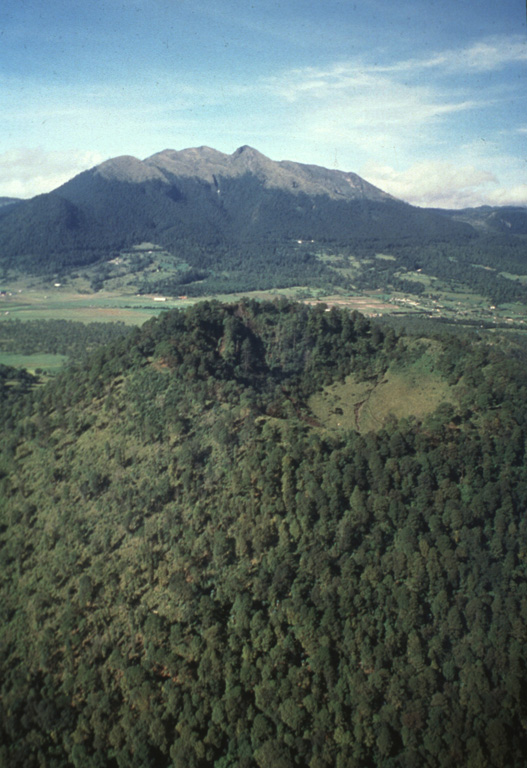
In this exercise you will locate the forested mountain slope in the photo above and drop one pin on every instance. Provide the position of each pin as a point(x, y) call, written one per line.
point(209, 209)
point(8, 201)
point(197, 570)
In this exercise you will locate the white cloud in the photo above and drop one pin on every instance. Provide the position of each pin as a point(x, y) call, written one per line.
point(378, 118)
point(514, 195)
point(486, 55)
point(368, 111)
point(493, 54)
point(445, 185)
point(363, 114)
point(27, 172)
point(391, 107)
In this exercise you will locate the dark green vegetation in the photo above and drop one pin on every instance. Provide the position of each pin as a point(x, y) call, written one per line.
point(43, 347)
point(245, 241)
point(14, 383)
point(57, 337)
point(476, 266)
point(505, 219)
point(199, 571)
point(8, 201)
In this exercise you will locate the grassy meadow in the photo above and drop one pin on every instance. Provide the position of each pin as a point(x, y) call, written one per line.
point(368, 405)
point(33, 363)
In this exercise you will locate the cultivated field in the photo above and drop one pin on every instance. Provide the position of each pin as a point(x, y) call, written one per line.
point(34, 363)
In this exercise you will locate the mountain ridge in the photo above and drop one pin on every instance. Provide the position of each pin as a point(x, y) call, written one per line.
point(207, 164)
point(196, 202)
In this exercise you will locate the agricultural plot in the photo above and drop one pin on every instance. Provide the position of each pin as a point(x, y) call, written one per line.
point(30, 302)
point(367, 406)
point(34, 363)
point(61, 303)
point(519, 278)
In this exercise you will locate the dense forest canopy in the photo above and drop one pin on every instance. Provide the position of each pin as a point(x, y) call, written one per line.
point(196, 570)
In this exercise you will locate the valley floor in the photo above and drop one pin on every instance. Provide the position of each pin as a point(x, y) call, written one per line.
point(19, 300)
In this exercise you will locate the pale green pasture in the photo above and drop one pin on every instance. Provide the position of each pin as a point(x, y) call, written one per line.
point(366, 406)
point(64, 305)
point(419, 277)
point(519, 278)
point(112, 306)
point(46, 362)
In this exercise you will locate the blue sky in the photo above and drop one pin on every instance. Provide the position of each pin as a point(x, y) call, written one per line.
point(426, 99)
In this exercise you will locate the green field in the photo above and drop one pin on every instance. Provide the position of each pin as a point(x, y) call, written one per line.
point(62, 304)
point(366, 406)
point(44, 362)
point(30, 302)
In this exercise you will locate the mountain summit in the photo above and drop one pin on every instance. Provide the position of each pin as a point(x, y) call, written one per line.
point(199, 203)
point(210, 165)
